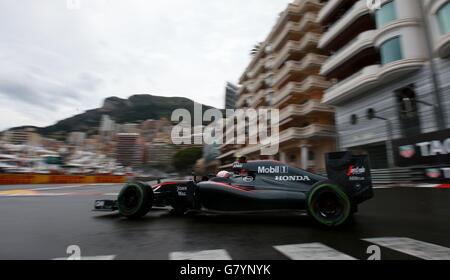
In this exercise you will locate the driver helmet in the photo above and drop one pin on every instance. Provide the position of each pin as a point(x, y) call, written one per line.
point(224, 174)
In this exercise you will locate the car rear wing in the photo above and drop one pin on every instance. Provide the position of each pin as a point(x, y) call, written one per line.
point(351, 172)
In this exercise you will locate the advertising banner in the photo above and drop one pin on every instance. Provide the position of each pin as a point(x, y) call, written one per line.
point(425, 149)
point(24, 179)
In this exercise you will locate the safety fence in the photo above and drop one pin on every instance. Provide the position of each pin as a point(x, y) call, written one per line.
point(19, 179)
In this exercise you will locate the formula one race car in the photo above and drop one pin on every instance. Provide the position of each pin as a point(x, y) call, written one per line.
point(258, 186)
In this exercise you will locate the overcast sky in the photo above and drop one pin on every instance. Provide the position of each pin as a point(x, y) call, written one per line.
point(56, 62)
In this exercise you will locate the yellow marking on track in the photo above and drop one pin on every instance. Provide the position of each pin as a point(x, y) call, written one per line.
point(19, 193)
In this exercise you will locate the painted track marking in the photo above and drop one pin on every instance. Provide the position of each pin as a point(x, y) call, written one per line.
point(94, 258)
point(215, 255)
point(311, 251)
point(413, 247)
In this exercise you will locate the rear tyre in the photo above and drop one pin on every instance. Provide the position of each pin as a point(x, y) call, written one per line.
point(329, 205)
point(135, 200)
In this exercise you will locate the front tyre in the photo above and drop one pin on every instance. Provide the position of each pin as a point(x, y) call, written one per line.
point(135, 200)
point(328, 204)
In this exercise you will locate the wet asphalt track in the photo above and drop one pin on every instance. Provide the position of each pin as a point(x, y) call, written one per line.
point(40, 222)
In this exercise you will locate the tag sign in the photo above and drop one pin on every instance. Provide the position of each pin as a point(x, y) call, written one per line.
point(374, 5)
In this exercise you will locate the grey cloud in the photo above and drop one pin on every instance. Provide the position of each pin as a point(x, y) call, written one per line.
point(88, 82)
point(56, 60)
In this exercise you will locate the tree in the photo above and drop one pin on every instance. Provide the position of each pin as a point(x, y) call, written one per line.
point(186, 159)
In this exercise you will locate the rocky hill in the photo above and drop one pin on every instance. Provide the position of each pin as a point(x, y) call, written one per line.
point(134, 109)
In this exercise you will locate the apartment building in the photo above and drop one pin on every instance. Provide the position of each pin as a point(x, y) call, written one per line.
point(161, 151)
point(284, 74)
point(27, 136)
point(391, 76)
point(129, 149)
point(231, 95)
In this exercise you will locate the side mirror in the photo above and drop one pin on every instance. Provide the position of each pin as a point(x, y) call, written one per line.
point(194, 177)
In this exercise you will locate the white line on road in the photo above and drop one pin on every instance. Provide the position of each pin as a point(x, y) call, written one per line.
point(413, 247)
point(69, 187)
point(94, 258)
point(56, 188)
point(311, 251)
point(215, 255)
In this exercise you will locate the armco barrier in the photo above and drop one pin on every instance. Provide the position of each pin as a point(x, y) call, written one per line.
point(24, 179)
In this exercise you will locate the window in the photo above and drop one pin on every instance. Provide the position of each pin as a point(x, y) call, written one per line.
point(408, 111)
point(444, 18)
point(292, 158)
point(311, 155)
point(386, 14)
point(391, 51)
point(354, 119)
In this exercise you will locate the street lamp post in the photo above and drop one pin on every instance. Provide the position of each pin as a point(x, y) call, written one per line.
point(371, 114)
point(269, 79)
point(439, 113)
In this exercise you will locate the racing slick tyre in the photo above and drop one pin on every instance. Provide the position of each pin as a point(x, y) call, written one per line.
point(329, 205)
point(135, 200)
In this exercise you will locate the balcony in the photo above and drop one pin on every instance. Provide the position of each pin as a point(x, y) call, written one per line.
point(258, 83)
point(339, 28)
point(363, 41)
point(311, 106)
point(294, 70)
point(370, 77)
point(328, 9)
point(259, 98)
point(294, 13)
point(292, 134)
point(291, 14)
point(295, 91)
point(353, 85)
point(311, 131)
point(398, 69)
point(242, 100)
point(294, 31)
point(294, 49)
point(257, 69)
point(256, 62)
point(243, 89)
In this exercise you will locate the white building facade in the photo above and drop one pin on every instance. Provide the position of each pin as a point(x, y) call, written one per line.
point(391, 74)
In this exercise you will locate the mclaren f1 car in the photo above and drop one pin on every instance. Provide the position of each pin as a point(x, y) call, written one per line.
point(258, 186)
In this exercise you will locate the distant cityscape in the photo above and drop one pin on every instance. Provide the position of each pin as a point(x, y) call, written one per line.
point(117, 149)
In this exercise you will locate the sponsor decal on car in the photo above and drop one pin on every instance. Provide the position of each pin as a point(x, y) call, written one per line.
point(238, 166)
point(248, 179)
point(182, 191)
point(273, 169)
point(356, 173)
point(292, 178)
